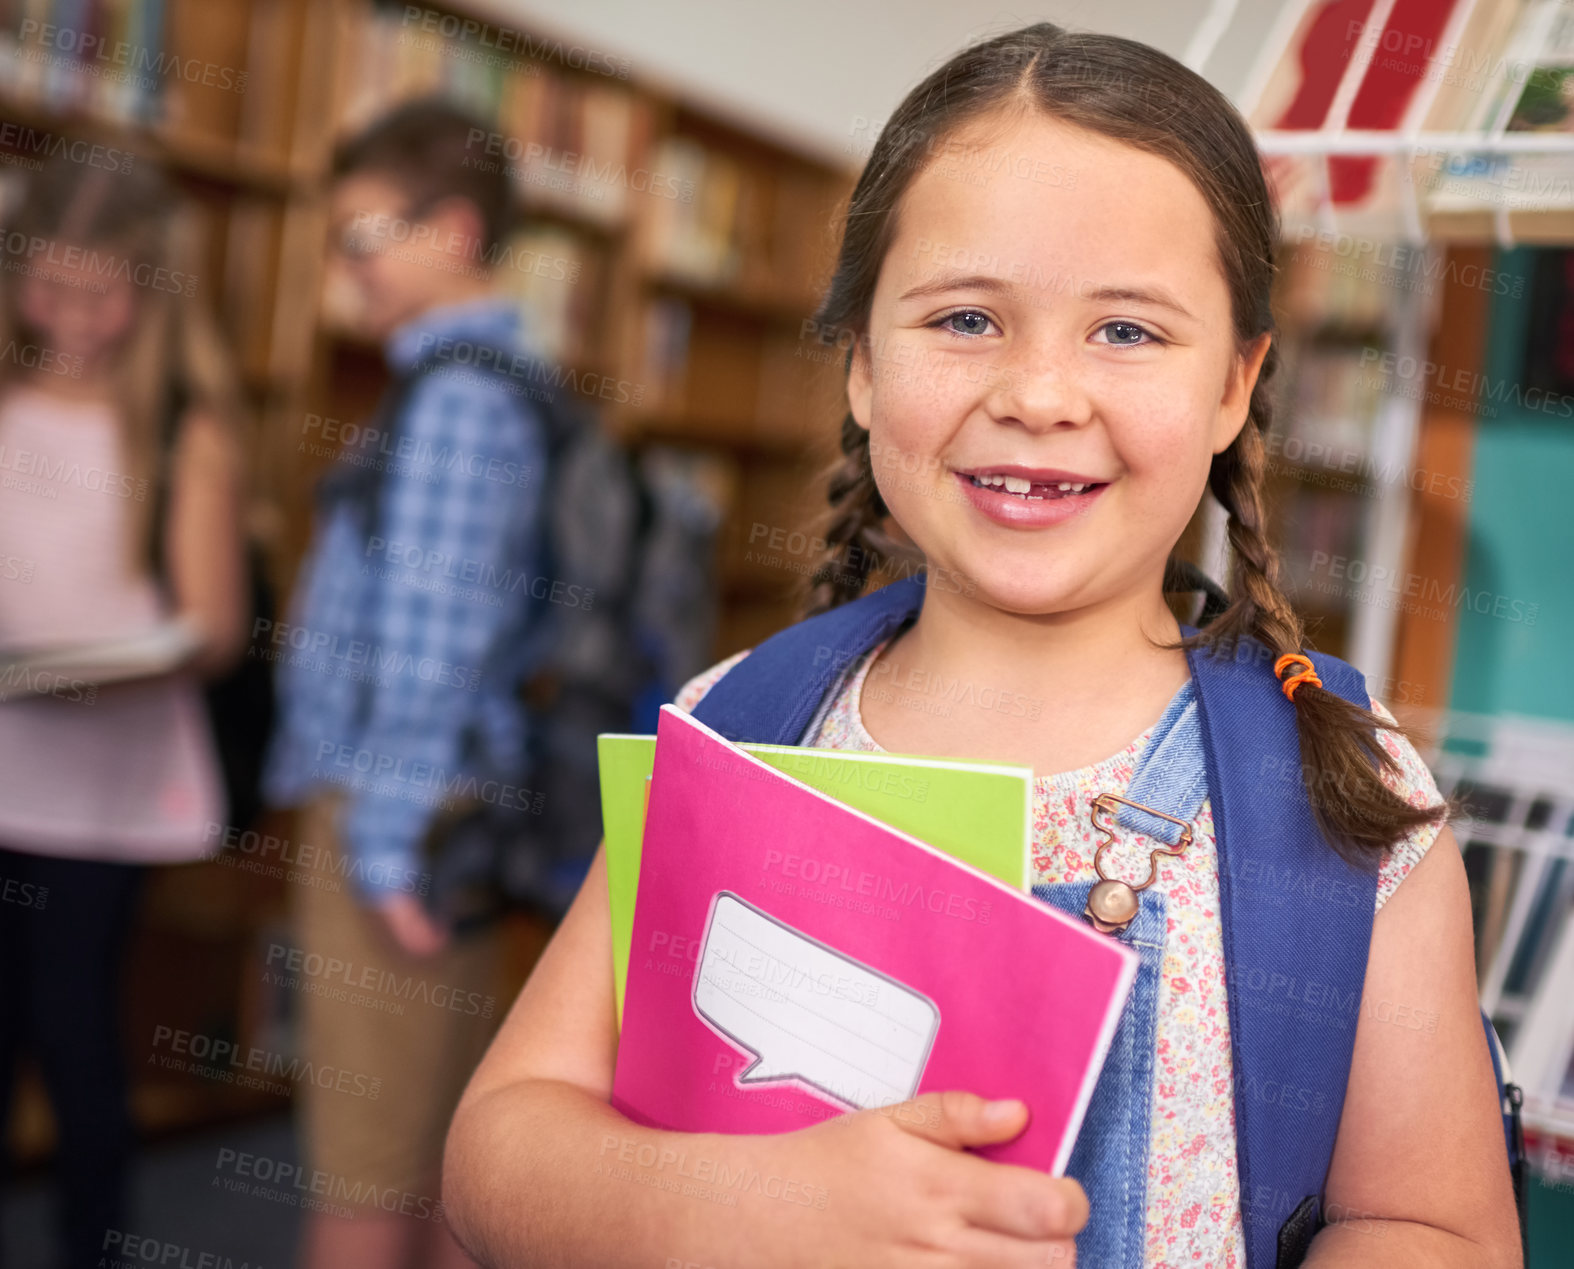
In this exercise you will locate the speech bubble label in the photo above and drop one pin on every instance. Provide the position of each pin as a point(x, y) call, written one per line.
point(808, 1014)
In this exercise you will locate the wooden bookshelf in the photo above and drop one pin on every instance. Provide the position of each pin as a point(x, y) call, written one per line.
point(697, 267)
point(699, 250)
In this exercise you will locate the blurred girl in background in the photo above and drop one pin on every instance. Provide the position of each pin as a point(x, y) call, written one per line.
point(120, 498)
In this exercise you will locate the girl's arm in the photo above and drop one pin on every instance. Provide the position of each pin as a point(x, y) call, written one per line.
point(524, 1171)
point(539, 1170)
point(1420, 1171)
point(204, 543)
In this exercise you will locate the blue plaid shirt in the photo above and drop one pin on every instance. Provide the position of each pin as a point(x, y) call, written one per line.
point(397, 671)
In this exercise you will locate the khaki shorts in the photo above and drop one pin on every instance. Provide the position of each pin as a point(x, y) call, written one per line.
point(391, 1040)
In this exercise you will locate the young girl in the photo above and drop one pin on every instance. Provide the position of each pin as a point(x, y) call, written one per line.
point(119, 507)
point(1057, 264)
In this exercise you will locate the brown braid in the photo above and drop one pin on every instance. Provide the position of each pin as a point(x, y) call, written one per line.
point(1135, 94)
point(857, 544)
point(1341, 758)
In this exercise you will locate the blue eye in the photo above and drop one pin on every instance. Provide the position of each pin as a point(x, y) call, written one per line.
point(1128, 335)
point(976, 322)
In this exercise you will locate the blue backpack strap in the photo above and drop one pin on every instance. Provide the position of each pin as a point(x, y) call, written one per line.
point(1297, 926)
point(1510, 1098)
point(1296, 918)
point(771, 695)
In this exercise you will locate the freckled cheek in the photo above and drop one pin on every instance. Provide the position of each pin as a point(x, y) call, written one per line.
point(914, 412)
point(1155, 440)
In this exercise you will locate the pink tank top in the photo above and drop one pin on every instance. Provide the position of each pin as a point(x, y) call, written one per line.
point(125, 772)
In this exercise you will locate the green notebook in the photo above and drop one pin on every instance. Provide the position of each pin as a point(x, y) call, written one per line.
point(978, 812)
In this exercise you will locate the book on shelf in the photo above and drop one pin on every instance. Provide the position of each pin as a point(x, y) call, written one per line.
point(697, 237)
point(1511, 777)
point(556, 276)
point(564, 138)
point(1525, 90)
point(252, 264)
point(106, 58)
point(1321, 531)
point(273, 81)
point(1321, 291)
point(1543, 1051)
point(1338, 391)
point(668, 327)
point(566, 142)
point(763, 1000)
point(1448, 68)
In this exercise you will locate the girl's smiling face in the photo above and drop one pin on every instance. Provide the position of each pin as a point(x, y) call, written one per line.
point(1050, 313)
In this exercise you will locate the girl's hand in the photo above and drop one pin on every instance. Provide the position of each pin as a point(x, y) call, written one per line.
point(900, 1191)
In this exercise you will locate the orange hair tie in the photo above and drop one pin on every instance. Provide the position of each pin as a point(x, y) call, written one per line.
point(1307, 675)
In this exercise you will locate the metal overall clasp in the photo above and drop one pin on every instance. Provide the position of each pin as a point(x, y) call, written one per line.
point(1112, 903)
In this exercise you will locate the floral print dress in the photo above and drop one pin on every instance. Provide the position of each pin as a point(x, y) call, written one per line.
point(1194, 1215)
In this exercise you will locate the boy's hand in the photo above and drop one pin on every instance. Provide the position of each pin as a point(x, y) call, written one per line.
point(411, 927)
point(901, 1191)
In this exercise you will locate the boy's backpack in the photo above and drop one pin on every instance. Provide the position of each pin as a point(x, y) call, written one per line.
point(633, 542)
point(778, 693)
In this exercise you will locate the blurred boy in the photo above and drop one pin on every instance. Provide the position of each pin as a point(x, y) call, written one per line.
point(397, 679)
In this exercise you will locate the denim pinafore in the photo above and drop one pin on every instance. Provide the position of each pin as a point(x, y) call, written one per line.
point(1110, 1158)
point(1246, 734)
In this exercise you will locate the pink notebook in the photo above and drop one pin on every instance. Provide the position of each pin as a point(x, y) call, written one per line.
point(794, 959)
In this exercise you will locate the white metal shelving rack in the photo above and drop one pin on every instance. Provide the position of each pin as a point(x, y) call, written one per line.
point(1374, 626)
point(1530, 761)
